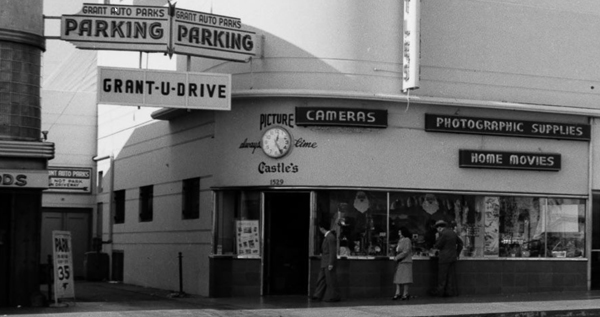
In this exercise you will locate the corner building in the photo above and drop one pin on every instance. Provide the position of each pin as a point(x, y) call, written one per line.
point(514, 170)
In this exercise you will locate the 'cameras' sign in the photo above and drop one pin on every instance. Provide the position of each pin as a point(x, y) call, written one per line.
point(158, 29)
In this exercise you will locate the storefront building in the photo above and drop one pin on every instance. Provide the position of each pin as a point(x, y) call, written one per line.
point(498, 140)
point(23, 153)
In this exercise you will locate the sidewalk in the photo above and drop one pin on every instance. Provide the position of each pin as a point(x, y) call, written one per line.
point(108, 299)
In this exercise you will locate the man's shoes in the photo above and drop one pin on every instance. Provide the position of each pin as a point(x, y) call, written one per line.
point(315, 299)
point(434, 293)
point(333, 300)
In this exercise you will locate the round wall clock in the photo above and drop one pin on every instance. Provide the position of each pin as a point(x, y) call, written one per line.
point(276, 142)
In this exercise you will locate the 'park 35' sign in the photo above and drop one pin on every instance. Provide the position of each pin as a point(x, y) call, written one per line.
point(159, 29)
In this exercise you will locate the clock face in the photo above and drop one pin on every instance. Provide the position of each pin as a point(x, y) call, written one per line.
point(276, 142)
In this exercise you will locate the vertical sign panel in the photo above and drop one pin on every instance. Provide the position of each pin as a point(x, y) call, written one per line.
point(64, 286)
point(410, 44)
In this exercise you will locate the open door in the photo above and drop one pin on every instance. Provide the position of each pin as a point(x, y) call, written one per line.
point(287, 221)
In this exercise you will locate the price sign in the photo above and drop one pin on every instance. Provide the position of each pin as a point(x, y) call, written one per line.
point(64, 286)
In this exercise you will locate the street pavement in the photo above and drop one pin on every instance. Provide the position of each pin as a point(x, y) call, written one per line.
point(116, 299)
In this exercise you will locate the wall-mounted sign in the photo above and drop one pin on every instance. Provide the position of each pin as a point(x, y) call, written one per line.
point(367, 118)
point(212, 36)
point(70, 179)
point(505, 127)
point(23, 179)
point(410, 44)
point(118, 27)
point(510, 160)
point(153, 88)
point(158, 29)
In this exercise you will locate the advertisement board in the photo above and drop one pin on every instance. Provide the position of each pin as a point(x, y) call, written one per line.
point(170, 89)
point(159, 29)
point(70, 179)
point(64, 286)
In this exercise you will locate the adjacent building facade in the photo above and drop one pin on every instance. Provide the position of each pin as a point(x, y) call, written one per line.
point(24, 154)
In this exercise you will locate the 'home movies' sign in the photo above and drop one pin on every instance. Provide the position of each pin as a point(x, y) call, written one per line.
point(510, 160)
point(158, 29)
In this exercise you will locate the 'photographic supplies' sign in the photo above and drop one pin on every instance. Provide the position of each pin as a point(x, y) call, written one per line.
point(64, 286)
point(70, 179)
point(152, 88)
point(23, 179)
point(366, 118)
point(159, 29)
point(510, 160)
point(505, 127)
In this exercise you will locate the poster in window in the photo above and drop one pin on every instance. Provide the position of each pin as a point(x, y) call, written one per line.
point(562, 219)
point(492, 225)
point(248, 244)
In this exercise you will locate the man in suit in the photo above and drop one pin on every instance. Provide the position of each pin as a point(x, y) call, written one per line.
point(327, 286)
point(449, 245)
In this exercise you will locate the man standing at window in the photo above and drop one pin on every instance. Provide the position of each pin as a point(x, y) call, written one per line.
point(327, 286)
point(449, 245)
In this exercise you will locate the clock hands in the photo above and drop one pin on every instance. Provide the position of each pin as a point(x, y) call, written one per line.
point(277, 144)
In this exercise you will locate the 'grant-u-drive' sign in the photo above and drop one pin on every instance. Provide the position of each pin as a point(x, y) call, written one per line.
point(169, 89)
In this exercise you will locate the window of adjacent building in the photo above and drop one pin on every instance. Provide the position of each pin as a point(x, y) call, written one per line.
point(191, 198)
point(237, 228)
point(99, 188)
point(146, 198)
point(119, 198)
point(99, 218)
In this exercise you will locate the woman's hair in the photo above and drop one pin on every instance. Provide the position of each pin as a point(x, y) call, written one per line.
point(405, 232)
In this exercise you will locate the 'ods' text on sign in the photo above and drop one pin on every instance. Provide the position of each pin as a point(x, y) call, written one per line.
point(168, 89)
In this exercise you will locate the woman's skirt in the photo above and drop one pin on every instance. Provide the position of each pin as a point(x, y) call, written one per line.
point(404, 274)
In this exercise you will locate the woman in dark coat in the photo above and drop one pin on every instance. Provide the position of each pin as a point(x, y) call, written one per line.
point(404, 274)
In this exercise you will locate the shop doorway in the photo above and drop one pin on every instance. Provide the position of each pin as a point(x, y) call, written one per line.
point(75, 220)
point(5, 221)
point(287, 224)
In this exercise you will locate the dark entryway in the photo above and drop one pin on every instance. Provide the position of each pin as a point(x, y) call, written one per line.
point(595, 256)
point(5, 221)
point(287, 223)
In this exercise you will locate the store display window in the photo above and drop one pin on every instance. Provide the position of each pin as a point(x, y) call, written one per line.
point(367, 223)
point(359, 219)
point(419, 212)
point(237, 224)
